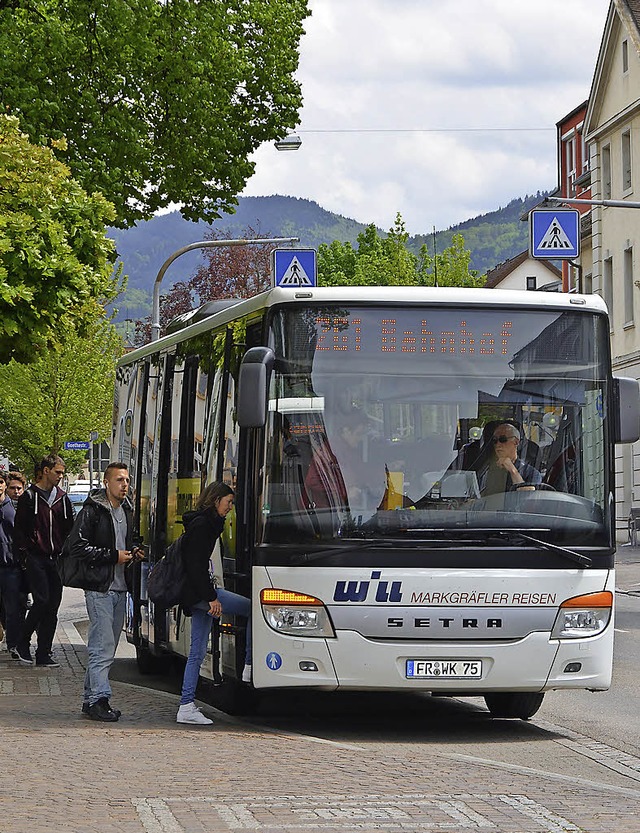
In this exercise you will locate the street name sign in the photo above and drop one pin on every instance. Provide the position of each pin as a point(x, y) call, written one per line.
point(77, 445)
point(294, 268)
point(554, 233)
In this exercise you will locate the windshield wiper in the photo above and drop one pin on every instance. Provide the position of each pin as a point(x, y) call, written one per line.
point(307, 558)
point(570, 555)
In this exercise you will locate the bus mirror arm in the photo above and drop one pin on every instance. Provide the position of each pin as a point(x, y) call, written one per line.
point(253, 387)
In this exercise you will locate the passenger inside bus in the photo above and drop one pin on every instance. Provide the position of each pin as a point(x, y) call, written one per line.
point(346, 461)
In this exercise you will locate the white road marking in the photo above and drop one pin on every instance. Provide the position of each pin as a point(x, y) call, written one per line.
point(415, 811)
point(155, 816)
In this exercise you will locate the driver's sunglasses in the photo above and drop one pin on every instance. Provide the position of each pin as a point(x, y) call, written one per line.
point(501, 439)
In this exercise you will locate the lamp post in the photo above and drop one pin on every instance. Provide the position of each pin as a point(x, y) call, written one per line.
point(607, 203)
point(202, 244)
point(610, 203)
point(290, 142)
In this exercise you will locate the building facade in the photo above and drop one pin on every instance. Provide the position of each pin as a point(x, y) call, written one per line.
point(525, 272)
point(610, 263)
point(574, 182)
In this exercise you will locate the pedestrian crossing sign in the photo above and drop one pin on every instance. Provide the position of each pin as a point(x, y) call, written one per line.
point(294, 268)
point(554, 233)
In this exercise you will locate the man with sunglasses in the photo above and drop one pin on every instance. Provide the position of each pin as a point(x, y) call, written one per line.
point(506, 471)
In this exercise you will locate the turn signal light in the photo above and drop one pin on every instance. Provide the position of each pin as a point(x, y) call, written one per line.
point(603, 599)
point(273, 596)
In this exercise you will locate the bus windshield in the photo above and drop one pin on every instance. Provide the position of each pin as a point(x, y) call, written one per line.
point(423, 423)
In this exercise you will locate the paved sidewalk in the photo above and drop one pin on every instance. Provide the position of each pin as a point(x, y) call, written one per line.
point(147, 774)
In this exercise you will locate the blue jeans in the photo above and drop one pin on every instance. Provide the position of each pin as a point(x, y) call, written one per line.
point(106, 619)
point(201, 623)
point(14, 601)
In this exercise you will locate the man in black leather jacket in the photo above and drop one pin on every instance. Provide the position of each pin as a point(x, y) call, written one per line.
point(94, 558)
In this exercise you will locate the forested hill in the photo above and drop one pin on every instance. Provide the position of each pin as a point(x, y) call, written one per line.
point(492, 238)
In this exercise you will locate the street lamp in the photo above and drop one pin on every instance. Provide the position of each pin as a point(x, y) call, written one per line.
point(203, 244)
point(290, 142)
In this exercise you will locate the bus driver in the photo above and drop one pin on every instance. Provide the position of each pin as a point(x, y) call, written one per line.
point(507, 471)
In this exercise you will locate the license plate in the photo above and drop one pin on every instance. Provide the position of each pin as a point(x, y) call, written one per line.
point(444, 669)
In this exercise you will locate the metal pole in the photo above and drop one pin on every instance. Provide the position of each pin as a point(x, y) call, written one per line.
point(611, 203)
point(203, 244)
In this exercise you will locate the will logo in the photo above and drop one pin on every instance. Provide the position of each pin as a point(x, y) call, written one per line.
point(358, 591)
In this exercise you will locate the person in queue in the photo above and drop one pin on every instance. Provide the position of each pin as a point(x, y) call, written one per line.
point(16, 484)
point(100, 544)
point(506, 470)
point(202, 599)
point(44, 517)
point(12, 598)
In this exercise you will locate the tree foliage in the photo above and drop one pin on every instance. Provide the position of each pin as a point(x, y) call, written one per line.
point(388, 261)
point(56, 263)
point(64, 395)
point(160, 102)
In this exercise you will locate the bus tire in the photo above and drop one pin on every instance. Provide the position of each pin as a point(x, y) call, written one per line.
point(518, 705)
point(149, 663)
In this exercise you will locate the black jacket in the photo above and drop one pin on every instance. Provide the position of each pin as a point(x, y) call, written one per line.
point(89, 555)
point(7, 515)
point(202, 529)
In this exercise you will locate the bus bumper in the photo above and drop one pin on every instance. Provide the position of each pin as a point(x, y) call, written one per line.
point(353, 662)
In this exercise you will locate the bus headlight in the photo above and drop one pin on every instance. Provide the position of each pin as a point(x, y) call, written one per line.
point(582, 616)
point(295, 614)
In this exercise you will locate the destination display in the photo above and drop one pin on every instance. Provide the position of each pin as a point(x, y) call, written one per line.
point(408, 334)
point(447, 340)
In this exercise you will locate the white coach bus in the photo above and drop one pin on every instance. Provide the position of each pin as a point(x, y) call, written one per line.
point(383, 543)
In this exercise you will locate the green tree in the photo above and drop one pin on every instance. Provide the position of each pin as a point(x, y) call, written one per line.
point(378, 261)
point(56, 262)
point(449, 267)
point(63, 395)
point(160, 102)
point(387, 261)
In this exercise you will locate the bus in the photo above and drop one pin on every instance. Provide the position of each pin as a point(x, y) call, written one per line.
point(382, 545)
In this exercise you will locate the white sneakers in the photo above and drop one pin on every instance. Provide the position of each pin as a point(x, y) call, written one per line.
point(190, 713)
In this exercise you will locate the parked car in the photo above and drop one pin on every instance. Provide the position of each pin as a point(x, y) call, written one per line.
point(77, 500)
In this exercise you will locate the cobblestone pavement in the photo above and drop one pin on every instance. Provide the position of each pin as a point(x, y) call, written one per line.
point(147, 774)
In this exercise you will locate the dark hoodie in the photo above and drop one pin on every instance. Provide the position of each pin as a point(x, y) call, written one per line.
point(202, 529)
point(40, 529)
point(7, 515)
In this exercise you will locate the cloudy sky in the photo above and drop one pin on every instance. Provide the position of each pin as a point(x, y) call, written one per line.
point(438, 109)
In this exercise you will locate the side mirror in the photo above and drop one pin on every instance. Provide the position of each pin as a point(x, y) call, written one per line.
point(627, 399)
point(253, 387)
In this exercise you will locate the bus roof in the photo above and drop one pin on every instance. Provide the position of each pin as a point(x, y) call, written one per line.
point(391, 295)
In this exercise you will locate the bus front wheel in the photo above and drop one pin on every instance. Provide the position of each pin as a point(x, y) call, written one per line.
point(519, 705)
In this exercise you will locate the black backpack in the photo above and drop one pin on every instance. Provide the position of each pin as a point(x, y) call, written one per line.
point(167, 577)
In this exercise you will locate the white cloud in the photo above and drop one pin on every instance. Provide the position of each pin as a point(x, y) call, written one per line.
point(415, 84)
